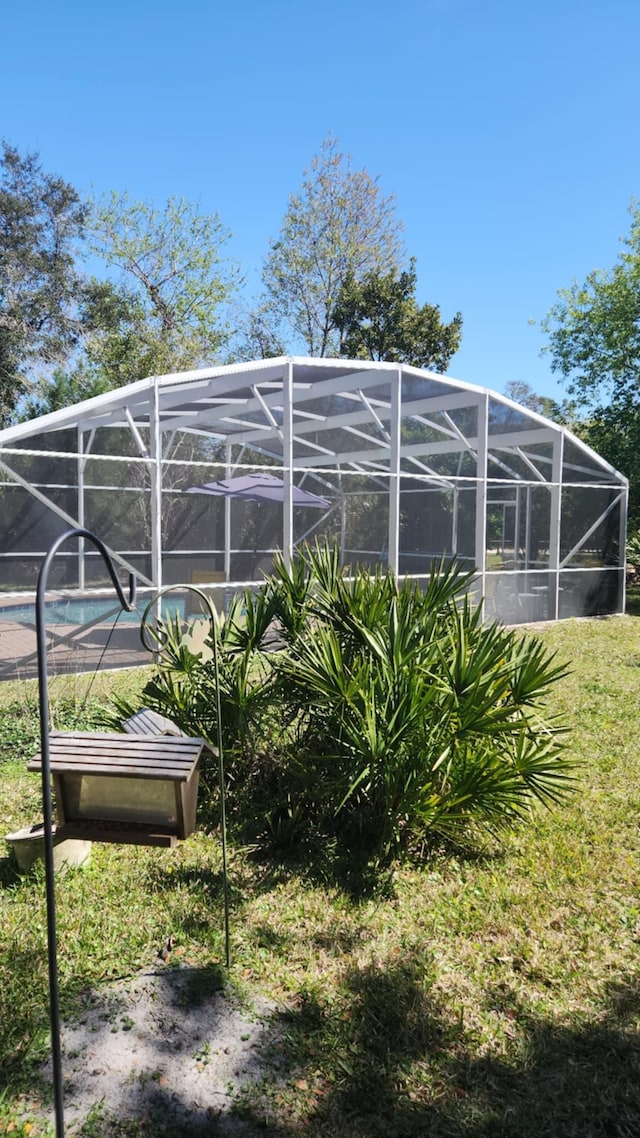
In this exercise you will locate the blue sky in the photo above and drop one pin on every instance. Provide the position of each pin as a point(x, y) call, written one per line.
point(506, 130)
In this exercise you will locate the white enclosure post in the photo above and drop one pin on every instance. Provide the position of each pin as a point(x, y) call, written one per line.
point(227, 517)
point(481, 493)
point(82, 584)
point(623, 546)
point(287, 459)
point(394, 471)
point(343, 518)
point(456, 508)
point(527, 528)
point(555, 522)
point(516, 528)
point(155, 473)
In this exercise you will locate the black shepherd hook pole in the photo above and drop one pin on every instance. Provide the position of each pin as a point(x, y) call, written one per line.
point(43, 684)
point(152, 645)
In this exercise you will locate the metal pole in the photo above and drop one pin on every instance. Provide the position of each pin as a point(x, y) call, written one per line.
point(221, 784)
point(287, 462)
point(152, 644)
point(622, 559)
point(393, 538)
point(555, 522)
point(481, 494)
point(47, 809)
point(155, 438)
point(54, 1007)
point(516, 527)
point(227, 518)
point(81, 464)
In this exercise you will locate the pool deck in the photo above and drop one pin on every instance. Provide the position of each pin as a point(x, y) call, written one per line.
point(84, 653)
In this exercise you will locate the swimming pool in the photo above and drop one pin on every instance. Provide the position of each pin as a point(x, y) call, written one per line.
point(78, 610)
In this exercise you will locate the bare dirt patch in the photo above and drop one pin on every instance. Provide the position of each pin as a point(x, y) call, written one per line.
point(168, 1044)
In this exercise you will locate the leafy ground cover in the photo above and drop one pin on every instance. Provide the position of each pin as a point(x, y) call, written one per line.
point(493, 993)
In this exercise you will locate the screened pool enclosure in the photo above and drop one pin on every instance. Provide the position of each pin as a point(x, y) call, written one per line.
point(399, 467)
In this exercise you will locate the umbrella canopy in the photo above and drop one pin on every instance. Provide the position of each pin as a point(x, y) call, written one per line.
point(260, 488)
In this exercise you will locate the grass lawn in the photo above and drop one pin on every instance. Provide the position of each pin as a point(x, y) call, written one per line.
point(486, 994)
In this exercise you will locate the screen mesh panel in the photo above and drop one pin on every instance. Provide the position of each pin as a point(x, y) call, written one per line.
point(590, 530)
point(98, 468)
point(590, 592)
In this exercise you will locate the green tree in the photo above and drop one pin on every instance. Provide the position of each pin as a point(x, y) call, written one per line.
point(594, 328)
point(41, 222)
point(564, 413)
point(379, 318)
point(162, 312)
point(112, 351)
point(62, 388)
point(594, 341)
point(337, 225)
point(64, 337)
point(258, 335)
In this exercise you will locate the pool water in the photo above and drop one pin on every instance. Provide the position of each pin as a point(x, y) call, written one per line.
point(72, 610)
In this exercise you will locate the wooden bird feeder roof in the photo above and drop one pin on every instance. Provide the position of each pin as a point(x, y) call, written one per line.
point(110, 787)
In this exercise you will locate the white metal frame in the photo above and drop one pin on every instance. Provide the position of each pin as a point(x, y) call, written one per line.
point(273, 409)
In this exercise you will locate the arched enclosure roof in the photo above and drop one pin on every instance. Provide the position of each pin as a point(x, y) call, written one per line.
point(414, 466)
point(195, 400)
point(202, 389)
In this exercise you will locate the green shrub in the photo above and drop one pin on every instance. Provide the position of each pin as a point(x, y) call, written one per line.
point(414, 718)
point(183, 685)
point(387, 715)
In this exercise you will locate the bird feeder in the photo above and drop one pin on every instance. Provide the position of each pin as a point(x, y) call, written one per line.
point(109, 787)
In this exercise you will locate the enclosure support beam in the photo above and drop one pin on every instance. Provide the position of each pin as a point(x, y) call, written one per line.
point(227, 516)
point(456, 507)
point(516, 528)
point(343, 516)
point(155, 473)
point(527, 528)
point(622, 555)
point(555, 523)
point(287, 460)
point(82, 583)
point(395, 383)
point(481, 493)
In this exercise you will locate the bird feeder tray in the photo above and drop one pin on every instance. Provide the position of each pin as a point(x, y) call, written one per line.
point(141, 790)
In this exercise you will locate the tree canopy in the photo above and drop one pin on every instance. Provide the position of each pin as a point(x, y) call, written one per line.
point(162, 314)
point(163, 295)
point(594, 341)
point(594, 328)
point(156, 310)
point(522, 393)
point(338, 225)
point(379, 318)
point(41, 222)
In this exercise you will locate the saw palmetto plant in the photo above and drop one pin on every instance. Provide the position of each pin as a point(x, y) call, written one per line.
point(383, 713)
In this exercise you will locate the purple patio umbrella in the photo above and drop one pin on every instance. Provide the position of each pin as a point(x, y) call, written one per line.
point(259, 488)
